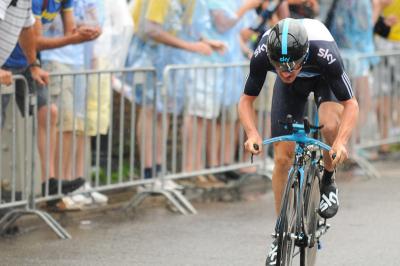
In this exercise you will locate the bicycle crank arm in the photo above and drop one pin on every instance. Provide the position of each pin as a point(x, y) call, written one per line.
point(292, 236)
point(322, 229)
point(296, 237)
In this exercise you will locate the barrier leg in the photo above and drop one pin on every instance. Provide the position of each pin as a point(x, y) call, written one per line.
point(136, 200)
point(366, 166)
point(8, 220)
point(57, 228)
point(178, 195)
point(168, 194)
point(12, 216)
point(31, 204)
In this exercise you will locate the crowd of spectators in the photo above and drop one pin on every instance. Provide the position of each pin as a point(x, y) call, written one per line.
point(73, 35)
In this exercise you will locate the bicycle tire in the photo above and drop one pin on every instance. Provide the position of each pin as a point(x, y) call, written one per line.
point(310, 218)
point(287, 222)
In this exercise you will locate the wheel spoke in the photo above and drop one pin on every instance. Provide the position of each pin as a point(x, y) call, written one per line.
point(311, 217)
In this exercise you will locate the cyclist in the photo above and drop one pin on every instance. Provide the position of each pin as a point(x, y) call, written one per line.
point(306, 59)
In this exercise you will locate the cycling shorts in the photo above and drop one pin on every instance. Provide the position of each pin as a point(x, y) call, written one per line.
point(292, 99)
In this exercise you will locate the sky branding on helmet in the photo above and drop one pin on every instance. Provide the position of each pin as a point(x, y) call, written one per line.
point(285, 32)
point(261, 48)
point(284, 59)
point(326, 55)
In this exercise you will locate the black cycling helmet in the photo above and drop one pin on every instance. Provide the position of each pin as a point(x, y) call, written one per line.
point(287, 45)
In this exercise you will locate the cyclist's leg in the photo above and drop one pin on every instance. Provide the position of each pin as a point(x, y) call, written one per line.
point(329, 115)
point(283, 158)
point(286, 99)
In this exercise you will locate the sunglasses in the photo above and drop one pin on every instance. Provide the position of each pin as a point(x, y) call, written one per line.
point(289, 66)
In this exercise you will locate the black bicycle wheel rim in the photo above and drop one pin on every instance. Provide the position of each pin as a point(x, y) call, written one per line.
point(287, 225)
point(311, 218)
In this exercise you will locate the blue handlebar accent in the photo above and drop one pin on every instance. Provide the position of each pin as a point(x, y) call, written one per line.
point(299, 128)
point(299, 137)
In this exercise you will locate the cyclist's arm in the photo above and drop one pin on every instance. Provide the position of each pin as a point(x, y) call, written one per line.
point(247, 114)
point(341, 87)
point(343, 91)
point(247, 117)
point(254, 83)
point(348, 121)
point(332, 65)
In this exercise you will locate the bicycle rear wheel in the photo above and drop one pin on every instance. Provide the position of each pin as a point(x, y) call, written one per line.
point(310, 219)
point(287, 223)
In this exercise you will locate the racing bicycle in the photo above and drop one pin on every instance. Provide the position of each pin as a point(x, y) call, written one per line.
point(299, 227)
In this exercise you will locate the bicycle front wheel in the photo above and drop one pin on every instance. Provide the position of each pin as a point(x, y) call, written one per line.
point(287, 223)
point(310, 218)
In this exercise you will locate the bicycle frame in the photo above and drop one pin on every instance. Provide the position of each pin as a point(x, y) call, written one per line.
point(304, 151)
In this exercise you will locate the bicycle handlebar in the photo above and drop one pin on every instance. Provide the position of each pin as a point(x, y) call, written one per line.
point(293, 127)
point(298, 134)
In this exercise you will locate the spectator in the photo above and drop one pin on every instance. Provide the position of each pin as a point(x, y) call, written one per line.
point(102, 55)
point(45, 11)
point(156, 24)
point(303, 8)
point(115, 20)
point(268, 13)
point(387, 28)
point(228, 20)
point(16, 23)
point(97, 105)
point(203, 101)
point(69, 59)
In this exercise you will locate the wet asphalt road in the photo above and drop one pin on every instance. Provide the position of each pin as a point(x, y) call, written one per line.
point(365, 232)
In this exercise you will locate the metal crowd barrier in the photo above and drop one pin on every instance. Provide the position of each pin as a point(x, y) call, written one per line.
point(378, 93)
point(118, 112)
point(17, 167)
point(14, 177)
point(111, 156)
point(110, 118)
point(196, 110)
point(383, 125)
point(183, 128)
point(109, 165)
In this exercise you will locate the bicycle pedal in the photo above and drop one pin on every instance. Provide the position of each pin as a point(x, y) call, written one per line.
point(322, 223)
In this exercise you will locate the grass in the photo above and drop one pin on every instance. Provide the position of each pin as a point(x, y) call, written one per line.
point(114, 177)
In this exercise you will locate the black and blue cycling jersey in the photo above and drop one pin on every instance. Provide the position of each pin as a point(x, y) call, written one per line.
point(323, 60)
point(322, 73)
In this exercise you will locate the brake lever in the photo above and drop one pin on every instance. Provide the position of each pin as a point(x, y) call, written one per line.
point(307, 125)
point(256, 147)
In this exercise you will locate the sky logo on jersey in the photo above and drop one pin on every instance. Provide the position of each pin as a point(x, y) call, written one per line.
point(260, 49)
point(326, 55)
